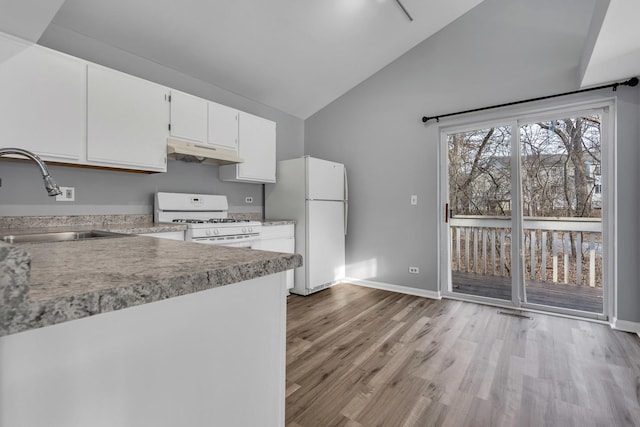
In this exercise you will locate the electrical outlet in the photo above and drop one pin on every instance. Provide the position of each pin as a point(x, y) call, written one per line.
point(68, 194)
point(414, 270)
point(414, 199)
point(248, 200)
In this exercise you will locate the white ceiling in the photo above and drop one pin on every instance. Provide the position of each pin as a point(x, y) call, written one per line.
point(296, 56)
point(27, 19)
point(22, 22)
point(616, 52)
point(293, 55)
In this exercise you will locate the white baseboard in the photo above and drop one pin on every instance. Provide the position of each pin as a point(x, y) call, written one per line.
point(394, 288)
point(625, 325)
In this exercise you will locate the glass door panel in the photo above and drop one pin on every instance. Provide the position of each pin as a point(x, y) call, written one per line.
point(480, 205)
point(560, 163)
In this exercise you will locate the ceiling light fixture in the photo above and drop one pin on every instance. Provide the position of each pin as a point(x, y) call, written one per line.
point(404, 10)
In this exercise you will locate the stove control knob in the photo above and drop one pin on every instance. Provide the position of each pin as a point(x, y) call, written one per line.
point(244, 229)
point(216, 231)
point(207, 232)
point(250, 229)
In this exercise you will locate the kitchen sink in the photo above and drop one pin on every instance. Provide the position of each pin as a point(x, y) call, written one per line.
point(59, 236)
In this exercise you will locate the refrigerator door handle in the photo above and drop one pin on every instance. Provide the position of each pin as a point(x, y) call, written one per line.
point(346, 201)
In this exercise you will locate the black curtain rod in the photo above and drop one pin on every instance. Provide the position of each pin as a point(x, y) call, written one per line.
point(631, 82)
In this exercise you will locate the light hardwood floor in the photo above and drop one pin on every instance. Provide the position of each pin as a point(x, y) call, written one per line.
point(364, 357)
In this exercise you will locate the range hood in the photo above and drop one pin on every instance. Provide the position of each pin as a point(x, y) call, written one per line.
point(190, 152)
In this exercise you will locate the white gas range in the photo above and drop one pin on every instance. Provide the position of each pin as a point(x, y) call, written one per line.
point(207, 219)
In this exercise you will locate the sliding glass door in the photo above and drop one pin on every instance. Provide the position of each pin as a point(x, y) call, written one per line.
point(524, 208)
point(561, 181)
point(479, 211)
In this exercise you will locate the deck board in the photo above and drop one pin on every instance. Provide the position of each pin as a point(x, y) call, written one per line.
point(576, 297)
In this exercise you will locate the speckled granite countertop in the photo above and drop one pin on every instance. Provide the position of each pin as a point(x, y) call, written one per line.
point(125, 228)
point(269, 222)
point(43, 284)
point(143, 228)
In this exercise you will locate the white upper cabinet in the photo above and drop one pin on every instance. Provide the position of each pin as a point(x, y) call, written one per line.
point(127, 121)
point(188, 117)
point(223, 126)
point(256, 148)
point(203, 122)
point(73, 112)
point(43, 104)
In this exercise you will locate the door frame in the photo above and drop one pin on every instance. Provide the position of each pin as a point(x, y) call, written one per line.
point(514, 117)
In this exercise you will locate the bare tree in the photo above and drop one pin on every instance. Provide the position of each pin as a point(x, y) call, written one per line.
point(577, 138)
point(479, 172)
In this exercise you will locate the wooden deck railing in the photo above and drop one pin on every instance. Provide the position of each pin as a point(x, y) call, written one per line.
point(562, 250)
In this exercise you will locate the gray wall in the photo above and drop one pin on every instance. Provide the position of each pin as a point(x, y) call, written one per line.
point(501, 51)
point(99, 191)
point(111, 192)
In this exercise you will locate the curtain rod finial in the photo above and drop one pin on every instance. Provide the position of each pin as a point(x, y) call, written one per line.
point(425, 119)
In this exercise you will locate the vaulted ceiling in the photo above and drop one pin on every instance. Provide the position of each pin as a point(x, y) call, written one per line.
point(614, 51)
point(296, 56)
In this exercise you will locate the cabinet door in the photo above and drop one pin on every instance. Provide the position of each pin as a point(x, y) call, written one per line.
point(223, 126)
point(256, 148)
point(43, 104)
point(188, 117)
point(127, 121)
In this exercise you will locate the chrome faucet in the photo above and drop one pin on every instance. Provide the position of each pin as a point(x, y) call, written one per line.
point(49, 184)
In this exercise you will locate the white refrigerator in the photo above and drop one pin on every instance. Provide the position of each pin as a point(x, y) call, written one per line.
point(314, 193)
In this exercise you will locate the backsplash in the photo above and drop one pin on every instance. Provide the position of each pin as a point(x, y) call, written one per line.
point(15, 222)
point(251, 216)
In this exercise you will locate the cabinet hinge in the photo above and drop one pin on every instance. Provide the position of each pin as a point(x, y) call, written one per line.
point(169, 98)
point(169, 126)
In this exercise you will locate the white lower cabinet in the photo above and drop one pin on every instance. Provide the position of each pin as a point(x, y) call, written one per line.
point(278, 238)
point(43, 104)
point(127, 121)
point(197, 360)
